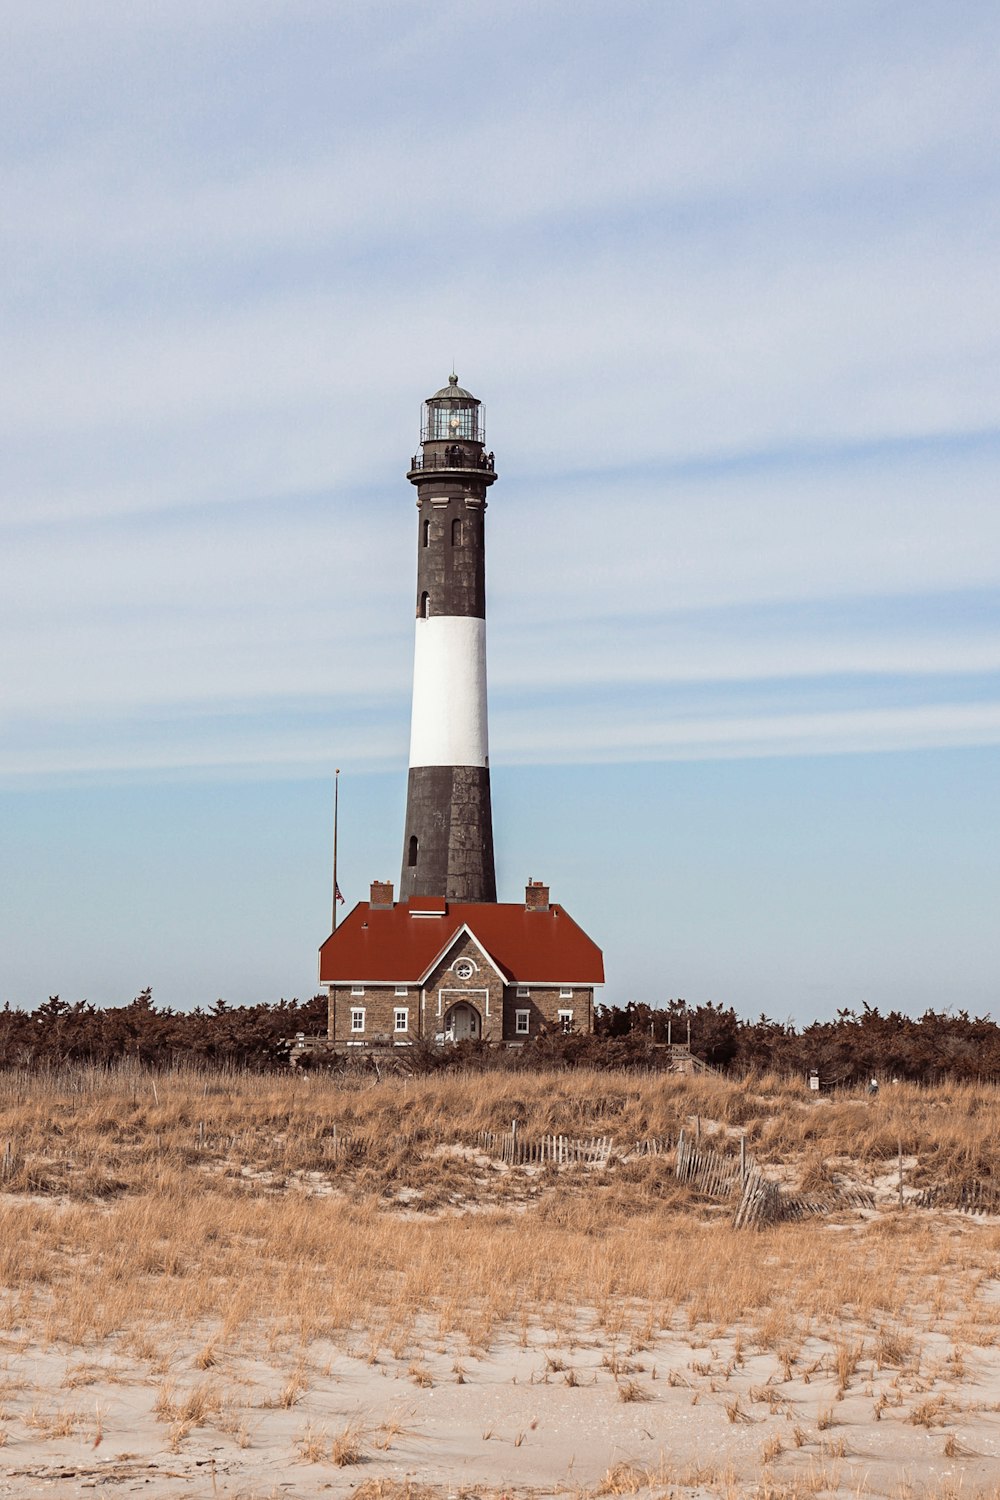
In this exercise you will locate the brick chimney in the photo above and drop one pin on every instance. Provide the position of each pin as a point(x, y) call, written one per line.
point(381, 894)
point(536, 896)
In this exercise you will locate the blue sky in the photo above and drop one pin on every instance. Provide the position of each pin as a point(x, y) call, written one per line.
point(725, 276)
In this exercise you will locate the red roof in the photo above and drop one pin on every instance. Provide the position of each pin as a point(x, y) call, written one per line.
point(396, 944)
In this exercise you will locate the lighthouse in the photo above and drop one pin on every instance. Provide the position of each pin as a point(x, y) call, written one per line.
point(447, 962)
point(448, 836)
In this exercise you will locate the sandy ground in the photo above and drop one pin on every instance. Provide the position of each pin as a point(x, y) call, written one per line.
point(683, 1413)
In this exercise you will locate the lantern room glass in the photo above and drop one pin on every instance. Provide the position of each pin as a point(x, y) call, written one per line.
point(446, 424)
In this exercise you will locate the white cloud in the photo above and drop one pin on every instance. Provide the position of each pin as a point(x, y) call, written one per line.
point(587, 737)
point(592, 733)
point(766, 252)
point(726, 278)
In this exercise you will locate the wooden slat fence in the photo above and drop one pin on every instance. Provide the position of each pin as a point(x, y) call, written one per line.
point(763, 1202)
point(706, 1170)
point(247, 1143)
point(969, 1197)
point(760, 1202)
point(656, 1145)
point(517, 1150)
point(798, 1206)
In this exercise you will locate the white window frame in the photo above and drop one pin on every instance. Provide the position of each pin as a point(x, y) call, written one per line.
point(463, 962)
point(565, 1016)
point(404, 1011)
point(357, 989)
point(357, 1011)
point(523, 991)
point(522, 1023)
point(565, 992)
point(402, 989)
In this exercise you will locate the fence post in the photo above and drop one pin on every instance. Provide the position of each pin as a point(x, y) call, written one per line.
point(900, 1172)
point(743, 1157)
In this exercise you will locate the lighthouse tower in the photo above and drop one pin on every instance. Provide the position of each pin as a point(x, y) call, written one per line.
point(448, 837)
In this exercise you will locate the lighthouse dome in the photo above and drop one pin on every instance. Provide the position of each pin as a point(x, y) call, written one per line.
point(453, 391)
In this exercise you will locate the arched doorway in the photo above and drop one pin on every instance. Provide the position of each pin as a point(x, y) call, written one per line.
point(462, 1022)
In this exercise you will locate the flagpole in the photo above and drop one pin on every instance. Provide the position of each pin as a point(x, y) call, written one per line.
point(336, 812)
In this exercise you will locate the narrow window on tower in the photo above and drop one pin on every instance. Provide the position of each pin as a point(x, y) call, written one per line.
point(426, 533)
point(456, 532)
point(424, 607)
point(411, 856)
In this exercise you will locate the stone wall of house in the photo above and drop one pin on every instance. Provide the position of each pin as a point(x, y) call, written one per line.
point(447, 985)
point(496, 1003)
point(379, 1003)
point(543, 1004)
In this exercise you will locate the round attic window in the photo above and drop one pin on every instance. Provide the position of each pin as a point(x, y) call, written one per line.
point(465, 968)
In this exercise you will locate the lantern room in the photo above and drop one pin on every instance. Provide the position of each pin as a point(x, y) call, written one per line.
point(452, 415)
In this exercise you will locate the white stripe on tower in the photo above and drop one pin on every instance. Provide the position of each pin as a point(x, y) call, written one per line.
point(449, 724)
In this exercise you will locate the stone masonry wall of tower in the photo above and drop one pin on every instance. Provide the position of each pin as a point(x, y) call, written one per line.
point(448, 834)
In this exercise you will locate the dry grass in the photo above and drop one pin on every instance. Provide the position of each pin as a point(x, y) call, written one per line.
point(60, 1423)
point(287, 1123)
point(631, 1390)
point(312, 1444)
point(228, 1205)
point(347, 1447)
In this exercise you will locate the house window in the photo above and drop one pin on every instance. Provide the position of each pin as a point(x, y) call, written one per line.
point(427, 533)
point(565, 993)
point(465, 968)
point(357, 989)
point(424, 607)
point(523, 992)
point(402, 1018)
point(401, 989)
point(357, 1018)
point(522, 1022)
point(456, 533)
point(565, 1020)
point(411, 853)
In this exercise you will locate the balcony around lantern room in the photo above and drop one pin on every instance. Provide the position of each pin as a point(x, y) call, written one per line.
point(453, 456)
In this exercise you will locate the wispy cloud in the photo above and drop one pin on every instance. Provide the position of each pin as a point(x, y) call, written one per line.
point(726, 278)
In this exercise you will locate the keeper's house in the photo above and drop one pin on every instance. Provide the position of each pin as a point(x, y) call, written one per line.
point(447, 971)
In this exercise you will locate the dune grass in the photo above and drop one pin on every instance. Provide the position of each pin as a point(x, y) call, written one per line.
point(220, 1200)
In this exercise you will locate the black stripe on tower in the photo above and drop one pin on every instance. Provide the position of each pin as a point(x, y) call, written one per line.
point(451, 552)
point(449, 840)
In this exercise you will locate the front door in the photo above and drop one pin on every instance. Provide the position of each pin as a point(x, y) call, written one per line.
point(462, 1022)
